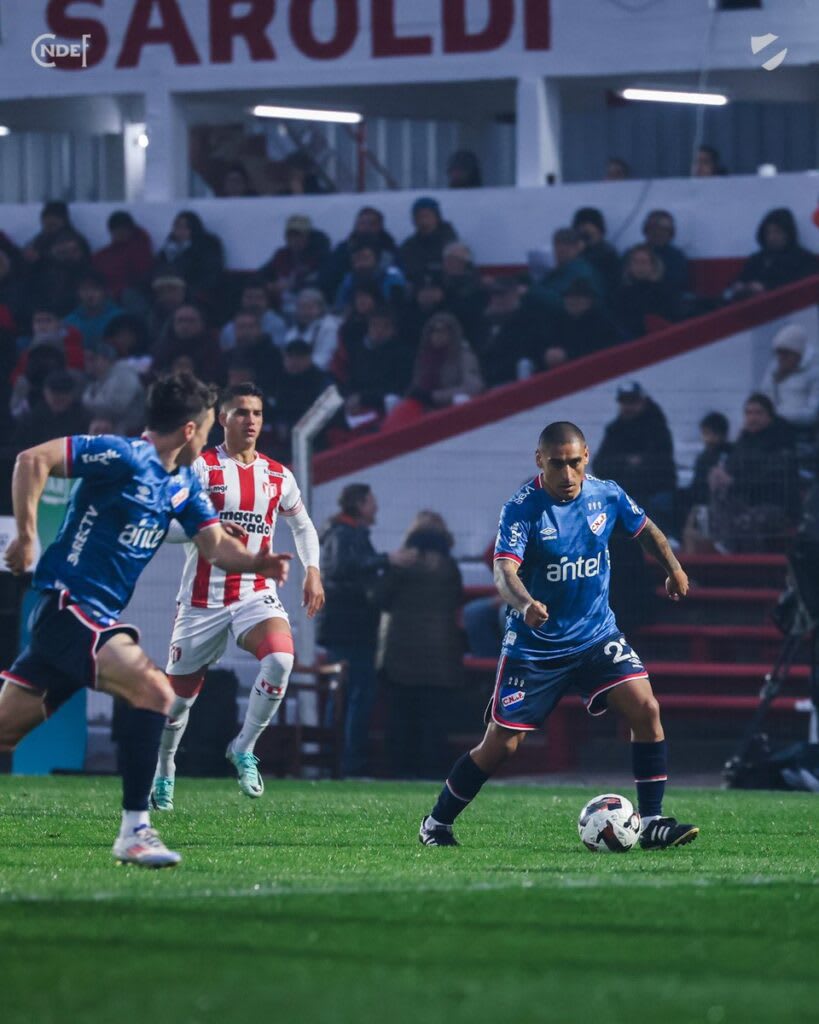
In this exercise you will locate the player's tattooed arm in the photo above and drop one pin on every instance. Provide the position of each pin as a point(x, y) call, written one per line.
point(513, 592)
point(655, 543)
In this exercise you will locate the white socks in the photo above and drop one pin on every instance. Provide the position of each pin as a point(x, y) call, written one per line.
point(132, 820)
point(172, 735)
point(265, 697)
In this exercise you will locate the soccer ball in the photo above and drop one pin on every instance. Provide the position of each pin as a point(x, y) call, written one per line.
point(609, 824)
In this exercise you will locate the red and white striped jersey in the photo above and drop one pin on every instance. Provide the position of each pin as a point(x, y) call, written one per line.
point(251, 495)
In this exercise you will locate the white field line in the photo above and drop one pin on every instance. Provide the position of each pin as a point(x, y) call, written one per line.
point(546, 883)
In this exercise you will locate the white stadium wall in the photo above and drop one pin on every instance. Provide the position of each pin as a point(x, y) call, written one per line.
point(716, 217)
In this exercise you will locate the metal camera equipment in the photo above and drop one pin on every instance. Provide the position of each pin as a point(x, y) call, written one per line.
point(796, 614)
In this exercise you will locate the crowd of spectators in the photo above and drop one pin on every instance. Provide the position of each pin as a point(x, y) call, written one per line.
point(402, 327)
point(744, 494)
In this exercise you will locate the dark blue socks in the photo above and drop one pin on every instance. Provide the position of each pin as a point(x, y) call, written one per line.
point(139, 738)
point(650, 763)
point(462, 786)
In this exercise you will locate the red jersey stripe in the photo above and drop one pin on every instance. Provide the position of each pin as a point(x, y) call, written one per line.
point(247, 503)
point(260, 583)
point(201, 581)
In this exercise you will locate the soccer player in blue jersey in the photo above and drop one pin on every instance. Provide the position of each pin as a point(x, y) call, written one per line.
point(130, 490)
point(552, 569)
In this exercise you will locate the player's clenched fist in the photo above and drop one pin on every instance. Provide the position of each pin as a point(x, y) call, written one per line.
point(676, 585)
point(273, 566)
point(19, 555)
point(313, 593)
point(535, 615)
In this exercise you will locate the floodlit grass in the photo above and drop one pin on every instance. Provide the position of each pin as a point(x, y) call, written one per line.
point(317, 904)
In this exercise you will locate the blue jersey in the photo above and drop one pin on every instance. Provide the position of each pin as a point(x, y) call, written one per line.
point(562, 550)
point(116, 520)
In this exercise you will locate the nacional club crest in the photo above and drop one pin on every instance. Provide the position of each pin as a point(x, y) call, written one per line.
point(597, 523)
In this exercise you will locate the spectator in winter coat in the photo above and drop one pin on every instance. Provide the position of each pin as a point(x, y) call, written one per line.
point(569, 265)
point(780, 259)
point(659, 230)
point(254, 348)
point(514, 329)
point(55, 220)
point(421, 596)
point(367, 269)
point(348, 623)
point(126, 262)
point(195, 255)
point(168, 293)
point(95, 311)
point(423, 251)
point(115, 392)
point(637, 452)
point(54, 278)
point(315, 325)
point(465, 295)
point(353, 328)
point(296, 265)
point(643, 292)
point(597, 252)
point(791, 380)
point(380, 367)
point(56, 413)
point(27, 392)
point(446, 369)
point(580, 327)
point(299, 385)
point(755, 495)
point(707, 163)
point(129, 337)
point(368, 227)
point(190, 337)
point(692, 501)
point(254, 298)
point(463, 170)
point(52, 345)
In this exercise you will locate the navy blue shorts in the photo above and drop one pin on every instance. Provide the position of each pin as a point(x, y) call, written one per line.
point(61, 656)
point(526, 692)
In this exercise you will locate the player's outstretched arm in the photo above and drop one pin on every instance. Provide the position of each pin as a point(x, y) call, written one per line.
point(654, 541)
point(230, 555)
point(513, 592)
point(31, 470)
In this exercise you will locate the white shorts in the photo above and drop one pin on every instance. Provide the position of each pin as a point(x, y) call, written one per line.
point(200, 635)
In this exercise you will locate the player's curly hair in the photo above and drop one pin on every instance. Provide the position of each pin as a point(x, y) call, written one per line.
point(177, 399)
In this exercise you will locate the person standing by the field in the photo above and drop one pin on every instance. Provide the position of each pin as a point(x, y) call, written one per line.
point(130, 490)
point(552, 569)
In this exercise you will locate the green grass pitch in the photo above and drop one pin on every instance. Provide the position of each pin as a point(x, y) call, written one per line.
point(318, 904)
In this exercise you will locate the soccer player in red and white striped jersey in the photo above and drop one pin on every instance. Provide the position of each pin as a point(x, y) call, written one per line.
point(249, 491)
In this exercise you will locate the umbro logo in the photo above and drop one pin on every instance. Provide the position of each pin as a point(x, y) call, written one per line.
point(548, 533)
